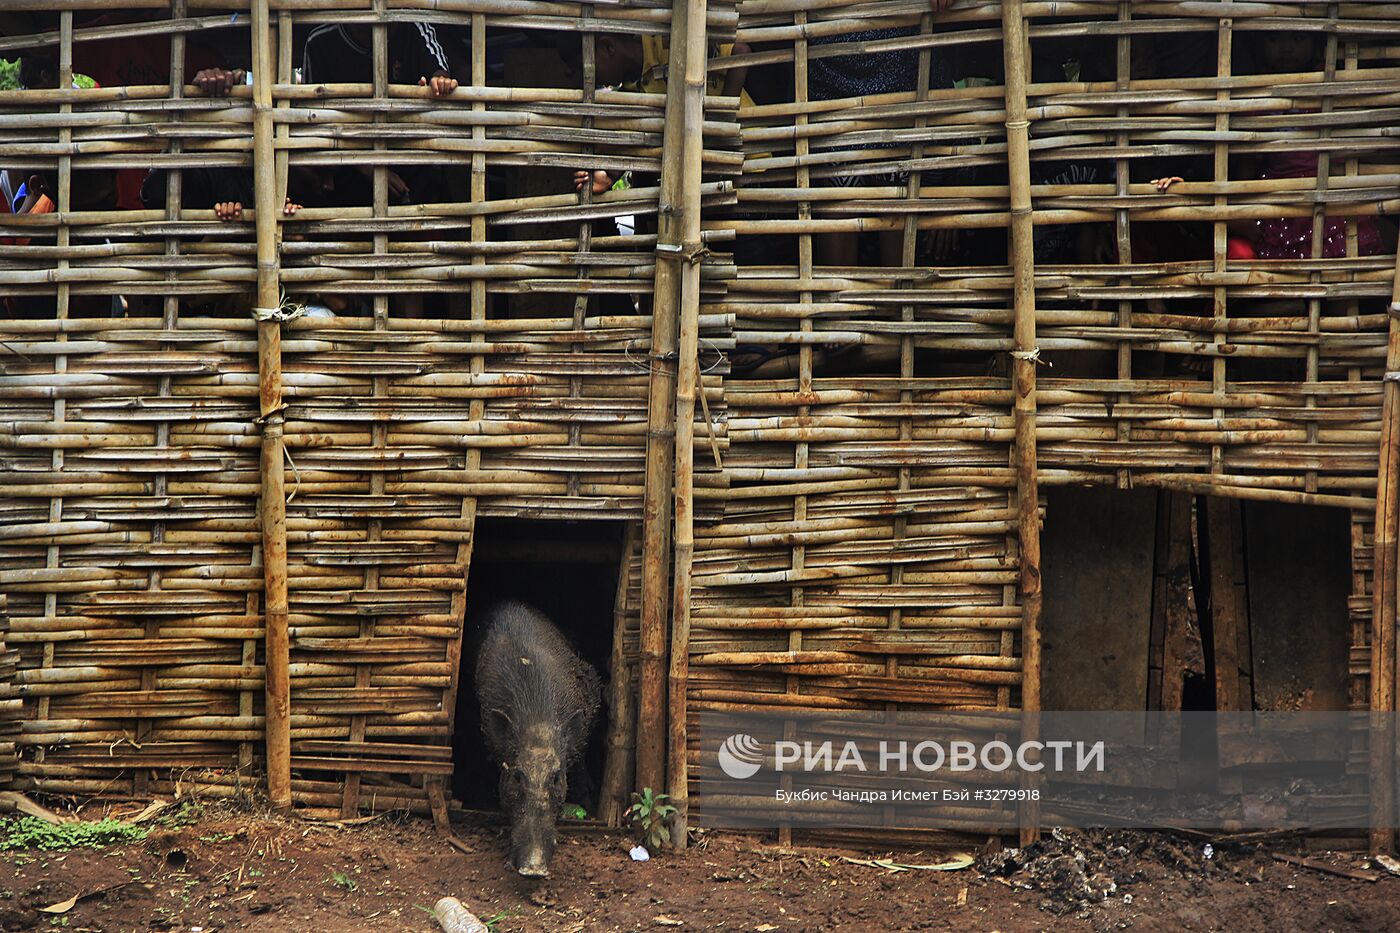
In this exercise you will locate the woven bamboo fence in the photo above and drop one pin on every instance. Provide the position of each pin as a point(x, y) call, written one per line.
point(872, 539)
point(871, 552)
point(494, 360)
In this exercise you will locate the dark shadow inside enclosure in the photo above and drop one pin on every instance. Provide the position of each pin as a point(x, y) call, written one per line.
point(1162, 600)
point(567, 570)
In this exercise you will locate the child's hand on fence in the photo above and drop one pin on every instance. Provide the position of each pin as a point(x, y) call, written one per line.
point(941, 5)
point(398, 188)
point(233, 210)
point(944, 244)
point(440, 84)
point(602, 181)
point(217, 82)
point(1164, 184)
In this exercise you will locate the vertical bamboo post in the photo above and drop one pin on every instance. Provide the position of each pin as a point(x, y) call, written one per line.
point(1122, 221)
point(273, 506)
point(661, 434)
point(1224, 69)
point(585, 228)
point(169, 315)
point(792, 684)
point(1319, 231)
point(62, 301)
point(621, 711)
point(476, 409)
point(687, 379)
point(1023, 369)
point(379, 77)
point(1385, 591)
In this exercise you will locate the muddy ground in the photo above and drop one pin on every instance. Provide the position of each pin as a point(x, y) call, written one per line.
point(219, 869)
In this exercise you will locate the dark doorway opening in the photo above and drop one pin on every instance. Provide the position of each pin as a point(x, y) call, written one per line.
point(567, 570)
point(1162, 600)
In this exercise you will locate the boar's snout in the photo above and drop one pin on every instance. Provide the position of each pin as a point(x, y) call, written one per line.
point(531, 793)
point(532, 843)
point(533, 865)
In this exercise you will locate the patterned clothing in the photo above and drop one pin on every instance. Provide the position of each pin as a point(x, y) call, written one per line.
point(1291, 237)
point(865, 74)
point(1056, 243)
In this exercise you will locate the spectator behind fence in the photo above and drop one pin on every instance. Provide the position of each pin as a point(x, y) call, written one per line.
point(1288, 237)
point(134, 62)
point(642, 64)
point(23, 197)
point(343, 54)
point(88, 190)
point(853, 76)
point(225, 190)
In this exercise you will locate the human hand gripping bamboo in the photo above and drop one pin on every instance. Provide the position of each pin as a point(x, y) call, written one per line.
point(233, 210)
point(602, 181)
point(440, 84)
point(217, 82)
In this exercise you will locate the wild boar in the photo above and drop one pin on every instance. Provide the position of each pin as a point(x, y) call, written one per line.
point(538, 703)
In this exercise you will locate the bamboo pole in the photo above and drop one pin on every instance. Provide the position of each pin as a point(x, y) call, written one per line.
point(273, 504)
point(792, 685)
point(661, 432)
point(618, 760)
point(477, 307)
point(687, 379)
point(62, 304)
point(1386, 590)
point(1024, 359)
point(379, 65)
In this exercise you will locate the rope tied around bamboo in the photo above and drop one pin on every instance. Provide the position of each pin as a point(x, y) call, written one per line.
point(694, 252)
point(284, 313)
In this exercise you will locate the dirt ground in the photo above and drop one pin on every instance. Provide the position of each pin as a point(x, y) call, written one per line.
point(225, 870)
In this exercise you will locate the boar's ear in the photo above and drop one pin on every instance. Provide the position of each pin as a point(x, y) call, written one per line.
point(576, 731)
point(498, 723)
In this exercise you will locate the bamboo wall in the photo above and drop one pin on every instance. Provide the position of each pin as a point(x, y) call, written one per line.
point(1146, 375)
point(494, 361)
point(873, 530)
point(868, 556)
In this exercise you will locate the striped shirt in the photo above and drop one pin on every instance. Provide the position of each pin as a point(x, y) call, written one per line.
point(333, 55)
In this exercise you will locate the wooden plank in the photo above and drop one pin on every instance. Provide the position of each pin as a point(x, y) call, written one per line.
point(1178, 600)
point(1157, 637)
point(1224, 607)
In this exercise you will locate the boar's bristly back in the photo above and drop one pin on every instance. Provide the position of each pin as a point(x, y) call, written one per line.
point(527, 675)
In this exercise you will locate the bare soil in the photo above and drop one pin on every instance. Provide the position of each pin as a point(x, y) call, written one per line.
point(231, 870)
